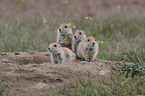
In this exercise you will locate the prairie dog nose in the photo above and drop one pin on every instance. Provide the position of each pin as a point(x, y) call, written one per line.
point(75, 36)
point(60, 30)
point(48, 48)
point(93, 43)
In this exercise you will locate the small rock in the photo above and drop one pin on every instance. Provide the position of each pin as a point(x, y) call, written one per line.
point(4, 60)
point(102, 72)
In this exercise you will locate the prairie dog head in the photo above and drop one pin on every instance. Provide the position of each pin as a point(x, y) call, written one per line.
point(54, 47)
point(79, 35)
point(90, 42)
point(64, 29)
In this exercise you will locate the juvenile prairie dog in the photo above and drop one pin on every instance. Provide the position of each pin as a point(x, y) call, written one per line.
point(65, 35)
point(88, 49)
point(60, 54)
point(77, 38)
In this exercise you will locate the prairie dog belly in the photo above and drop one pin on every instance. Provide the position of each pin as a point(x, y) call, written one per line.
point(62, 37)
point(90, 52)
point(76, 45)
point(69, 57)
point(55, 59)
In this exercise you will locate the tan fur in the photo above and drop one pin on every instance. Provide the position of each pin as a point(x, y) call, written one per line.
point(77, 38)
point(60, 54)
point(65, 35)
point(86, 50)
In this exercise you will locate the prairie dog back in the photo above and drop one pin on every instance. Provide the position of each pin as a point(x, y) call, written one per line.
point(69, 55)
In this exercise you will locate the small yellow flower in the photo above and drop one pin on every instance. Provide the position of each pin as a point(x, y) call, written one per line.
point(91, 18)
point(98, 41)
point(74, 26)
point(69, 23)
point(44, 20)
point(118, 6)
point(86, 17)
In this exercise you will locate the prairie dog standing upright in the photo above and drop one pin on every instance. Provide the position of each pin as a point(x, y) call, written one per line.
point(88, 49)
point(77, 38)
point(60, 54)
point(65, 35)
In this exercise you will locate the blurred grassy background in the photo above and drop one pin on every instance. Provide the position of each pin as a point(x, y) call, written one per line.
point(30, 25)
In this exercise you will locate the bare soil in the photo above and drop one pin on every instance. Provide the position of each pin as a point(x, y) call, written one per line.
point(33, 73)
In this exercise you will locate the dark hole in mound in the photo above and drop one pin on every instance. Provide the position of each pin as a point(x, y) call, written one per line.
point(36, 77)
point(23, 71)
point(42, 78)
point(35, 59)
point(57, 80)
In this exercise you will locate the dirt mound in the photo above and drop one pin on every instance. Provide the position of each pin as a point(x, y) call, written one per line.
point(26, 57)
point(26, 73)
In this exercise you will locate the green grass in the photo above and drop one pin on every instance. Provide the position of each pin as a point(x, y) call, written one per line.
point(120, 86)
point(120, 33)
point(2, 89)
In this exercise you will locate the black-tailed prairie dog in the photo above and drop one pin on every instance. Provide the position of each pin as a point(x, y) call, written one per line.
point(77, 38)
point(60, 54)
point(88, 49)
point(65, 35)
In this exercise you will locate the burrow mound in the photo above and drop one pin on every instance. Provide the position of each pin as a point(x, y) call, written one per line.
point(32, 73)
point(25, 57)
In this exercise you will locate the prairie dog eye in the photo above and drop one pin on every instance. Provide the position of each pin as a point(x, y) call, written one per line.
point(55, 45)
point(60, 30)
point(88, 40)
point(80, 33)
point(65, 26)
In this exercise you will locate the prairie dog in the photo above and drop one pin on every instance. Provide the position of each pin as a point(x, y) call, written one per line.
point(60, 54)
point(77, 38)
point(65, 35)
point(88, 49)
